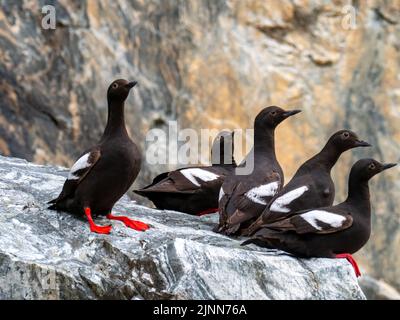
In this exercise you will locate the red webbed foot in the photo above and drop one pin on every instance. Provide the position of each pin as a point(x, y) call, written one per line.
point(94, 227)
point(133, 224)
point(208, 211)
point(350, 259)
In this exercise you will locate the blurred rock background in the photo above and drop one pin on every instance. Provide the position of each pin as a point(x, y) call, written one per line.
point(211, 64)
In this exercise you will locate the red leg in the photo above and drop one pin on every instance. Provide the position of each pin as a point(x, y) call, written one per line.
point(93, 226)
point(350, 259)
point(208, 211)
point(133, 224)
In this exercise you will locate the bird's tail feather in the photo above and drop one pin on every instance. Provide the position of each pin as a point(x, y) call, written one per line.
point(140, 192)
point(52, 201)
point(54, 204)
point(52, 207)
point(261, 242)
point(248, 241)
point(253, 228)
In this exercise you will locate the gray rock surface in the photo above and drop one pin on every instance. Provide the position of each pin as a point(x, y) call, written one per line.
point(50, 255)
point(375, 289)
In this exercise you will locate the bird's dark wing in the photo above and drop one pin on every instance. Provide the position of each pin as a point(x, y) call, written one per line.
point(195, 178)
point(225, 195)
point(244, 201)
point(282, 204)
point(300, 193)
point(78, 172)
point(320, 221)
point(159, 178)
point(250, 201)
point(187, 180)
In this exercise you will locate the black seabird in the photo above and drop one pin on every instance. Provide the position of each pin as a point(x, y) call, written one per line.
point(312, 185)
point(331, 232)
point(103, 173)
point(243, 197)
point(194, 190)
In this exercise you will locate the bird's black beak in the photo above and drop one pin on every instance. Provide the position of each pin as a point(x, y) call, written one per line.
point(290, 113)
point(130, 85)
point(360, 143)
point(388, 166)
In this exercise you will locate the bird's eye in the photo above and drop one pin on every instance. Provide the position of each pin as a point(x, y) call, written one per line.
point(115, 85)
point(273, 113)
point(371, 166)
point(346, 135)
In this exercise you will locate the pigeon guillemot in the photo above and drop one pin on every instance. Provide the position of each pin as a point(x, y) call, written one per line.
point(194, 190)
point(331, 232)
point(312, 185)
point(103, 173)
point(243, 197)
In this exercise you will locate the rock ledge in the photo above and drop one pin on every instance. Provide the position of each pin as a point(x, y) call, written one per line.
point(49, 255)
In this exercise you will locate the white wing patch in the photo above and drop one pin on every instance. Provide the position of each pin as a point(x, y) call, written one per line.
point(266, 190)
point(193, 173)
point(221, 194)
point(279, 205)
point(312, 217)
point(82, 163)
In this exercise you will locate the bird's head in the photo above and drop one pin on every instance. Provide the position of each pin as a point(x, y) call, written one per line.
point(119, 90)
point(345, 140)
point(365, 169)
point(271, 117)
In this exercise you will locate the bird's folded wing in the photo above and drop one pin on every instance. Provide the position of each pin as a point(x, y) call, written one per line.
point(187, 181)
point(159, 178)
point(193, 178)
point(225, 196)
point(78, 172)
point(83, 165)
point(250, 201)
point(286, 200)
point(314, 221)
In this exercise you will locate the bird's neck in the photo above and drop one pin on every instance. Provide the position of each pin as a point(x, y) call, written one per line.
point(116, 120)
point(264, 143)
point(221, 161)
point(327, 158)
point(222, 156)
point(358, 194)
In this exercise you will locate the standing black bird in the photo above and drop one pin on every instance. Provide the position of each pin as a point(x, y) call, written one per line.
point(331, 232)
point(312, 185)
point(243, 197)
point(104, 172)
point(194, 190)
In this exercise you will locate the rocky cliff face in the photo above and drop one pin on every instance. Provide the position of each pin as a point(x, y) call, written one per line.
point(50, 255)
point(377, 289)
point(199, 61)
